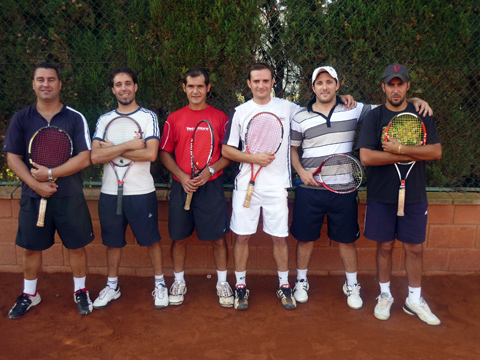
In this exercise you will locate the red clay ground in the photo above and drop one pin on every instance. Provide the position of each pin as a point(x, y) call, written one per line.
point(323, 328)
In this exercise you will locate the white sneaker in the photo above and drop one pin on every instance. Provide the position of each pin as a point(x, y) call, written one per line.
point(300, 291)
point(225, 294)
point(177, 290)
point(422, 311)
point(107, 294)
point(382, 309)
point(353, 296)
point(160, 296)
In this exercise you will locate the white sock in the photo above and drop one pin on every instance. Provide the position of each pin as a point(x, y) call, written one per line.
point(302, 274)
point(351, 278)
point(283, 278)
point(79, 283)
point(241, 277)
point(179, 276)
point(112, 282)
point(30, 286)
point(159, 280)
point(385, 288)
point(414, 294)
point(221, 276)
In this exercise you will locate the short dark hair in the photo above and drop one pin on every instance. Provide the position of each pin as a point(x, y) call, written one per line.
point(259, 66)
point(46, 65)
point(196, 72)
point(125, 70)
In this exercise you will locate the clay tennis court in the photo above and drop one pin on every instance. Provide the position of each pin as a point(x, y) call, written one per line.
point(323, 328)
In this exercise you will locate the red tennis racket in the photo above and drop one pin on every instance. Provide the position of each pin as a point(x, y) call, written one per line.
point(50, 146)
point(409, 130)
point(340, 173)
point(119, 130)
point(201, 151)
point(264, 135)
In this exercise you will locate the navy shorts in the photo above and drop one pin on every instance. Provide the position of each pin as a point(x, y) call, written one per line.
point(139, 211)
point(68, 215)
point(383, 225)
point(208, 212)
point(310, 208)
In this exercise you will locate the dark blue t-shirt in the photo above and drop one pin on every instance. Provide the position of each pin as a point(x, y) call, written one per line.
point(23, 126)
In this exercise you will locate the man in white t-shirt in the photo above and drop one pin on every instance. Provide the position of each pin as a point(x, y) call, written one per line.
point(271, 184)
point(140, 208)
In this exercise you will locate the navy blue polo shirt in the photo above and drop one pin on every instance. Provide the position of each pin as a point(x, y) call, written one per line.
point(27, 121)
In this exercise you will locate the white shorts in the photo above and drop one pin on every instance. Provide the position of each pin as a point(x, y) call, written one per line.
point(275, 212)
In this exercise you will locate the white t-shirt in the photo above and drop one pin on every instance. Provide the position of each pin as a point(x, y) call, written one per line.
point(139, 180)
point(277, 175)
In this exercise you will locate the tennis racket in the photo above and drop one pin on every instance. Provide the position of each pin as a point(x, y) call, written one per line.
point(50, 146)
point(201, 151)
point(119, 130)
point(264, 135)
point(409, 130)
point(340, 173)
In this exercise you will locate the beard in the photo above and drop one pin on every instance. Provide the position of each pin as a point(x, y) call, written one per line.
point(396, 103)
point(125, 102)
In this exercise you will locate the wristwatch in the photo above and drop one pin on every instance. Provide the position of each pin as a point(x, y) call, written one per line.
point(212, 171)
point(50, 177)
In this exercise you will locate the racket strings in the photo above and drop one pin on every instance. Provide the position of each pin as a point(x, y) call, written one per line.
point(341, 173)
point(407, 130)
point(202, 147)
point(264, 134)
point(122, 130)
point(51, 148)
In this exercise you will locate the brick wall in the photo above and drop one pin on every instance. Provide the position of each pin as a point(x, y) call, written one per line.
point(452, 246)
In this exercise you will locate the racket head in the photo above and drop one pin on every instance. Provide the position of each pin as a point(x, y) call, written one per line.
point(119, 130)
point(50, 146)
point(202, 145)
point(406, 128)
point(264, 134)
point(340, 173)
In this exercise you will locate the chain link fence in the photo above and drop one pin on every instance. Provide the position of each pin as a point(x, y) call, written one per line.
point(438, 41)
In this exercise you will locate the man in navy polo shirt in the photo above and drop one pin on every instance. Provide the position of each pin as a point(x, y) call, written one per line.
point(67, 210)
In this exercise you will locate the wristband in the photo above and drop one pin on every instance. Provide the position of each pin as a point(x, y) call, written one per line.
point(399, 147)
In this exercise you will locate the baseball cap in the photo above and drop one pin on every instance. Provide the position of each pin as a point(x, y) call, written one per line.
point(393, 71)
point(328, 69)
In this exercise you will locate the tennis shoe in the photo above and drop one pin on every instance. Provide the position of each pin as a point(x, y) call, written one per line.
point(421, 310)
point(241, 297)
point(177, 290)
point(84, 304)
point(225, 294)
point(284, 293)
point(300, 291)
point(353, 296)
point(23, 303)
point(160, 296)
point(382, 309)
point(107, 294)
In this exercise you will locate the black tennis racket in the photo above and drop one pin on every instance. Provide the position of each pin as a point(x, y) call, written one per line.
point(340, 173)
point(119, 130)
point(409, 130)
point(201, 151)
point(50, 146)
point(264, 135)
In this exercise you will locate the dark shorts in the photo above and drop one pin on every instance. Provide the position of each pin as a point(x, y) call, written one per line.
point(382, 223)
point(68, 215)
point(139, 211)
point(312, 205)
point(208, 212)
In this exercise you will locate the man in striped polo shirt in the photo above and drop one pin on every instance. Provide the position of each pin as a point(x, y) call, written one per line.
point(326, 127)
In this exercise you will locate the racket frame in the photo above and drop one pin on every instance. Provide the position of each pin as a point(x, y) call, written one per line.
point(201, 123)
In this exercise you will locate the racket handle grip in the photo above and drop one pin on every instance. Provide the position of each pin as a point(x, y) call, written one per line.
point(41, 213)
point(120, 201)
point(401, 202)
point(249, 195)
point(188, 200)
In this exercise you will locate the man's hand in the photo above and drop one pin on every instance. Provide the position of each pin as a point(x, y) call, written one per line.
point(263, 159)
point(46, 189)
point(39, 172)
point(349, 101)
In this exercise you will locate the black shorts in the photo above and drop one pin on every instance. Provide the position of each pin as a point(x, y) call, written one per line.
point(68, 215)
point(208, 212)
point(140, 211)
point(310, 208)
point(383, 225)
